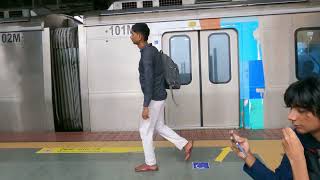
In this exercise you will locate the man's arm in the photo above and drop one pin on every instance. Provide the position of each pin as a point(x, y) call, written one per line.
point(299, 169)
point(259, 171)
point(254, 167)
point(148, 76)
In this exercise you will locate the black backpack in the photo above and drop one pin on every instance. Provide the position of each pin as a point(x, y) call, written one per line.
point(171, 73)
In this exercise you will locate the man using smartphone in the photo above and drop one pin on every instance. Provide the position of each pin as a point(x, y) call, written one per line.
point(301, 145)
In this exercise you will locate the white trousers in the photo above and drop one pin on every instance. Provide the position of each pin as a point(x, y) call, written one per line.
point(156, 122)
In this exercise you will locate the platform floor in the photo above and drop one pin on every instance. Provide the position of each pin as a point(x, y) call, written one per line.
point(19, 158)
point(196, 134)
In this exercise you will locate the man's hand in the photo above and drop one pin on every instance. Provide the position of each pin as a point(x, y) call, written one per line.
point(145, 113)
point(243, 142)
point(295, 153)
point(292, 145)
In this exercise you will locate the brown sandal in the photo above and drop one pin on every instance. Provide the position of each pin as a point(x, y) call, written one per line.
point(145, 168)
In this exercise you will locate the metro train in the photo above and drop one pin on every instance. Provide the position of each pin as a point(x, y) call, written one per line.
point(235, 61)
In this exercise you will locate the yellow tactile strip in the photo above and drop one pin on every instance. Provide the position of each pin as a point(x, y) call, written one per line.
point(269, 150)
point(94, 150)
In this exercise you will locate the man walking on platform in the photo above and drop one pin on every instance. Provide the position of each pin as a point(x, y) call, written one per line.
point(153, 87)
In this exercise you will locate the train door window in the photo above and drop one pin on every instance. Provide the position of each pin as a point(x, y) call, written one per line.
point(219, 58)
point(180, 52)
point(307, 52)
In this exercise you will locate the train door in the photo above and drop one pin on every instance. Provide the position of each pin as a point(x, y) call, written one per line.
point(208, 65)
point(183, 48)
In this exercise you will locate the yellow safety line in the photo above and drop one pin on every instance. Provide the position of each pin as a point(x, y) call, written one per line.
point(91, 150)
point(225, 151)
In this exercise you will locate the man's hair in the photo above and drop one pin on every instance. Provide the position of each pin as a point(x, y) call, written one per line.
point(141, 28)
point(304, 94)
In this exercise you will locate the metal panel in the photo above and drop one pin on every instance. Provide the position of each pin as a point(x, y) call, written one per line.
point(22, 97)
point(22, 26)
point(83, 70)
point(115, 96)
point(277, 44)
point(47, 77)
point(187, 113)
point(220, 101)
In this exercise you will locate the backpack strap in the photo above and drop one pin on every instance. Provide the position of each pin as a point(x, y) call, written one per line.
point(174, 100)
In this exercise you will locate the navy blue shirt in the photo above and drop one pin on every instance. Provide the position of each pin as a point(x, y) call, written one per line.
point(151, 75)
point(284, 171)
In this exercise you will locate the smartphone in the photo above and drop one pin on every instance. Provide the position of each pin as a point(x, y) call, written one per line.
point(238, 146)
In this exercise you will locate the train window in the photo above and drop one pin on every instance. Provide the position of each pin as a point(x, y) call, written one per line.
point(170, 2)
point(129, 5)
point(14, 14)
point(219, 58)
point(307, 52)
point(147, 4)
point(180, 52)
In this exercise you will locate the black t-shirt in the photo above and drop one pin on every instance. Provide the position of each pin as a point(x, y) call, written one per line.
point(311, 152)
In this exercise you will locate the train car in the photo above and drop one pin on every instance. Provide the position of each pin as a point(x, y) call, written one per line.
point(235, 61)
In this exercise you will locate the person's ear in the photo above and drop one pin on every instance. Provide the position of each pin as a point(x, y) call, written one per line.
point(140, 37)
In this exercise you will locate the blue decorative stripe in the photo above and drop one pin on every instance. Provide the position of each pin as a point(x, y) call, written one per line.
point(250, 71)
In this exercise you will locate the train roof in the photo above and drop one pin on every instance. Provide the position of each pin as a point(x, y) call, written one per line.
point(208, 10)
point(199, 4)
